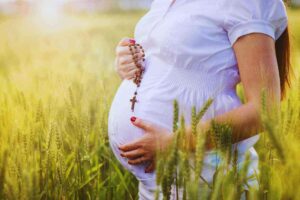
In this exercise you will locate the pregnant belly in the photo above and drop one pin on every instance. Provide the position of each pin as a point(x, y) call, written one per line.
point(155, 104)
point(120, 127)
point(159, 112)
point(161, 85)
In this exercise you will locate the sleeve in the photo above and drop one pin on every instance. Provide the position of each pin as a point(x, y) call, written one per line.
point(255, 16)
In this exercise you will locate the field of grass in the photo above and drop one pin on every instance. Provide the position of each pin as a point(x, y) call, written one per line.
point(56, 85)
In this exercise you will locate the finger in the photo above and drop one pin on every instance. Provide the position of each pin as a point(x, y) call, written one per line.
point(147, 126)
point(150, 168)
point(131, 74)
point(126, 41)
point(130, 146)
point(125, 69)
point(133, 154)
point(128, 67)
point(138, 57)
point(125, 50)
point(128, 71)
point(127, 59)
point(122, 50)
point(138, 161)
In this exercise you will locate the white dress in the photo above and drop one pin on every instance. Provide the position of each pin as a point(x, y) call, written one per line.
point(189, 57)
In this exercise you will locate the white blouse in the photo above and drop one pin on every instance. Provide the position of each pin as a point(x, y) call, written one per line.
point(189, 57)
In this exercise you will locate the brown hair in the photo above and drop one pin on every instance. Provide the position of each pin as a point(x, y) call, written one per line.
point(283, 54)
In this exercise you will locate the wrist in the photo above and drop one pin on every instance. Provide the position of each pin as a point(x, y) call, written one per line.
point(166, 141)
point(204, 128)
point(191, 142)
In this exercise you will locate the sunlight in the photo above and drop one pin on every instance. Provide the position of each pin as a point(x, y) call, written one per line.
point(49, 12)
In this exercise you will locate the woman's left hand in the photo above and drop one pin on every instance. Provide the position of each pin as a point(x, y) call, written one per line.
point(145, 148)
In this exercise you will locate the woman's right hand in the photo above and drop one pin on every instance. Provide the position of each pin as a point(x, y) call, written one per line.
point(124, 63)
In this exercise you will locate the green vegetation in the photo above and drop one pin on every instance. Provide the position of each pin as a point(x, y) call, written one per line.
point(57, 82)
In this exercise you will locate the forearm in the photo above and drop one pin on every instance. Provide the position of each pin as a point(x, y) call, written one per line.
point(244, 121)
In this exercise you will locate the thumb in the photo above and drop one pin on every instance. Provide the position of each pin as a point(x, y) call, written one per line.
point(126, 41)
point(147, 126)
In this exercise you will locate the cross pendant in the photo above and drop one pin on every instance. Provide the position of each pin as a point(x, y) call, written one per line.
point(133, 101)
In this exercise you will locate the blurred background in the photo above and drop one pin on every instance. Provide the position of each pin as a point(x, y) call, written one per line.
point(57, 81)
point(26, 7)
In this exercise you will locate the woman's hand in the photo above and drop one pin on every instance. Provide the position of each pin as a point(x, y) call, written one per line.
point(144, 149)
point(124, 63)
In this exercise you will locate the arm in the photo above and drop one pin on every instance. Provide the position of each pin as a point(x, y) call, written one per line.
point(258, 69)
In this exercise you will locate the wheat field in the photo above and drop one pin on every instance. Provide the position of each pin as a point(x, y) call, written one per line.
point(56, 84)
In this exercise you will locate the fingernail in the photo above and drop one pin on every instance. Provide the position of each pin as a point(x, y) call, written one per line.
point(133, 119)
point(132, 41)
point(122, 155)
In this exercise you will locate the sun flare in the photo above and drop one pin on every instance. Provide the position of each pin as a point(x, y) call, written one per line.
point(49, 12)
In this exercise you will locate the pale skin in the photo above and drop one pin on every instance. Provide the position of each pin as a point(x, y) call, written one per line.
point(258, 69)
point(124, 63)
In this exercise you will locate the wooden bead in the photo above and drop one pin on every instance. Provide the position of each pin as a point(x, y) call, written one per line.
point(135, 49)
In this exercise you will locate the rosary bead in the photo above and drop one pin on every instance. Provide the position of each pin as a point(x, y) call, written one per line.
point(134, 49)
point(131, 51)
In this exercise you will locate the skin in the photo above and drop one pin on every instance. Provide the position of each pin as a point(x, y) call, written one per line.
point(124, 64)
point(258, 69)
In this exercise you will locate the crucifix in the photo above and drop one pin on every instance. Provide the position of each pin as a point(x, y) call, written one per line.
point(136, 48)
point(133, 101)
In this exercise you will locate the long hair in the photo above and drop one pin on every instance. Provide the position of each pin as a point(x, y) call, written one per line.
point(283, 54)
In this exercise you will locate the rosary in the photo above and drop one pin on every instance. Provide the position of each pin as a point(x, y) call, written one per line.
point(135, 48)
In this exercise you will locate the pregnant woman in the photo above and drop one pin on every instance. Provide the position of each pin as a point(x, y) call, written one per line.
point(196, 50)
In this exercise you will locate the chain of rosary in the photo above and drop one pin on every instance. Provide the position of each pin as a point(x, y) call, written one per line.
point(135, 48)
